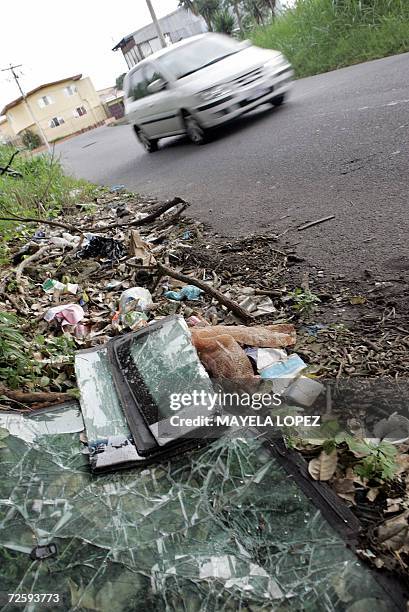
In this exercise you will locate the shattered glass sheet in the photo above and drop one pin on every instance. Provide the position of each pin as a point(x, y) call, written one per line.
point(65, 417)
point(110, 441)
point(169, 364)
point(220, 529)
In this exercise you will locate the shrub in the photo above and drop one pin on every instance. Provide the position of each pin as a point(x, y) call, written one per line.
point(31, 140)
point(322, 35)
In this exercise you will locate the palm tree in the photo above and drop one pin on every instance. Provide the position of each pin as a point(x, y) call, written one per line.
point(255, 9)
point(237, 12)
point(223, 21)
point(206, 8)
point(189, 5)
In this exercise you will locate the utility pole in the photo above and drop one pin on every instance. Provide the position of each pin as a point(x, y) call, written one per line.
point(156, 23)
point(29, 109)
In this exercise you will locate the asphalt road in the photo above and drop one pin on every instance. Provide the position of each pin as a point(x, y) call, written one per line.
point(339, 146)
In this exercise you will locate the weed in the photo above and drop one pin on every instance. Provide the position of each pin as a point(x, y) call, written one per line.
point(322, 35)
point(303, 301)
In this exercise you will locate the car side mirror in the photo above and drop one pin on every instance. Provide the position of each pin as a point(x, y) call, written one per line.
point(156, 86)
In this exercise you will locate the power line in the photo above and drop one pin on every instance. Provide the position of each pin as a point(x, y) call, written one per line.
point(12, 69)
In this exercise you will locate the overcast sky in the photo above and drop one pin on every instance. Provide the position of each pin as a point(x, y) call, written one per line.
point(55, 39)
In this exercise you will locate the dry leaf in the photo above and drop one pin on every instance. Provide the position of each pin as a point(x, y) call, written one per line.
point(403, 463)
point(372, 494)
point(394, 533)
point(324, 466)
point(393, 505)
point(344, 487)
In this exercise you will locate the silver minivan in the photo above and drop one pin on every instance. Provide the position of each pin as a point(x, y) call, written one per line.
point(200, 83)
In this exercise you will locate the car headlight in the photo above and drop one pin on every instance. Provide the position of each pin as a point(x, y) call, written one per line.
point(214, 92)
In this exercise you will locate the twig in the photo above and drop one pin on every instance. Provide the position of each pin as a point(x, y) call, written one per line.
point(312, 223)
point(66, 226)
point(144, 221)
point(171, 218)
point(25, 262)
point(240, 312)
point(14, 302)
point(105, 228)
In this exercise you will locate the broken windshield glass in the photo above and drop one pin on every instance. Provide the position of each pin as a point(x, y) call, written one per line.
point(219, 528)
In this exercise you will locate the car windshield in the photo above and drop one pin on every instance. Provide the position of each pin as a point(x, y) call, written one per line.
point(198, 54)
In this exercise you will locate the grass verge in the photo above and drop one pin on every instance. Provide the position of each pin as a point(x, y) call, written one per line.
point(44, 191)
point(322, 35)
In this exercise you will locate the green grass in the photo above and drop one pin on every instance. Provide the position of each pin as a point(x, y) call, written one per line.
point(321, 35)
point(44, 191)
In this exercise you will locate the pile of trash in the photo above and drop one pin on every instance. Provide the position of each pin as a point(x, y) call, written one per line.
point(115, 269)
point(83, 282)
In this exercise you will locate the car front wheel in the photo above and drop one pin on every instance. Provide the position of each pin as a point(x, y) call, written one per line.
point(278, 100)
point(194, 130)
point(149, 144)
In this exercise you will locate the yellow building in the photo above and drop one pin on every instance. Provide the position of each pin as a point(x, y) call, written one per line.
point(6, 133)
point(61, 108)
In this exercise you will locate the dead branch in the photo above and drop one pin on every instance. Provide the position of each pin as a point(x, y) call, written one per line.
point(21, 310)
point(33, 397)
point(231, 305)
point(39, 221)
point(105, 228)
point(171, 219)
point(25, 262)
point(144, 221)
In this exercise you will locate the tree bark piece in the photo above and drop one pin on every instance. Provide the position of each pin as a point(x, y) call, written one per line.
point(231, 305)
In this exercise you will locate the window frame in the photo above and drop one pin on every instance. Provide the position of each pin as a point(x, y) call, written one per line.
point(44, 101)
point(53, 124)
point(70, 90)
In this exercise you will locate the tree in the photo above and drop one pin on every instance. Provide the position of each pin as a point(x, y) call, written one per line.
point(31, 139)
point(119, 83)
point(237, 12)
point(206, 8)
point(255, 8)
point(223, 21)
point(189, 5)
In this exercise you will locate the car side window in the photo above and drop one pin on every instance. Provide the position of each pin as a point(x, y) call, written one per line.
point(151, 74)
point(137, 87)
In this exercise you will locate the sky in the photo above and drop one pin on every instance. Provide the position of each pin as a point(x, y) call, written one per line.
point(55, 39)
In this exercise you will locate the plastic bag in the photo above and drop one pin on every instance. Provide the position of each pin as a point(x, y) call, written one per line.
point(190, 292)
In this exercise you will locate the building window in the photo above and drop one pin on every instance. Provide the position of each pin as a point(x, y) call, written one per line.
point(80, 111)
point(56, 121)
point(130, 59)
point(44, 101)
point(70, 90)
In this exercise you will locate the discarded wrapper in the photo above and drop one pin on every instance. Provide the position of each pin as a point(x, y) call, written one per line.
point(68, 314)
point(190, 292)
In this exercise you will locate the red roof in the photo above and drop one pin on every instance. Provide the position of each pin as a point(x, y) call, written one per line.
point(76, 77)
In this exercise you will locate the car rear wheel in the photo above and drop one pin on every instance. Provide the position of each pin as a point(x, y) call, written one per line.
point(149, 144)
point(278, 100)
point(194, 130)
